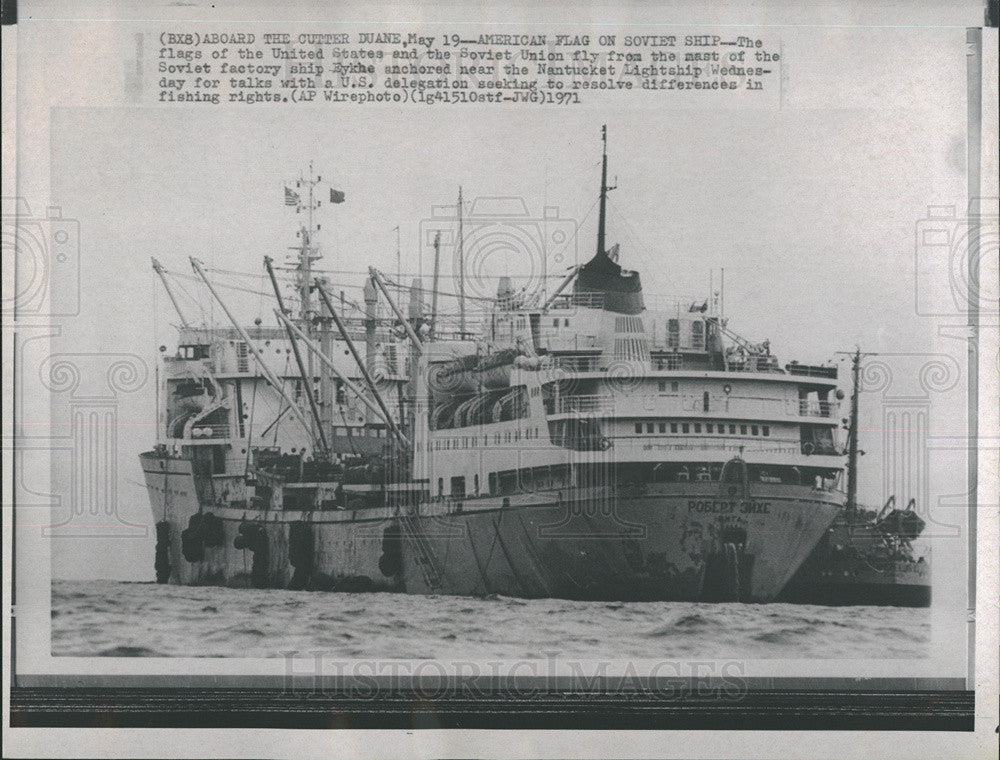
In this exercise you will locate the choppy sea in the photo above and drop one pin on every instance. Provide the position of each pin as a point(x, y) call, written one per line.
point(108, 618)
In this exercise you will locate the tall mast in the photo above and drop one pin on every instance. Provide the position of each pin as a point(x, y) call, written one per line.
point(307, 250)
point(461, 271)
point(852, 440)
point(399, 265)
point(604, 191)
point(434, 286)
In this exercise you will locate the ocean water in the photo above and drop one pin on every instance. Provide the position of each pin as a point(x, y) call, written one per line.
point(107, 618)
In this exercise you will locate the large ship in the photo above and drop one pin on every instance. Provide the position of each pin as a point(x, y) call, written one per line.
point(578, 445)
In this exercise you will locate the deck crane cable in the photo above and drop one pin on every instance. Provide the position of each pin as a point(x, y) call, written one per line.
point(227, 286)
point(177, 277)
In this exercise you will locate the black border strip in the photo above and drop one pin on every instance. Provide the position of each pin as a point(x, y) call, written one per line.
point(761, 710)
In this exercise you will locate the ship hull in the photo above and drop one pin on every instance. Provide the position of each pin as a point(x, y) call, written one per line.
point(656, 542)
point(861, 583)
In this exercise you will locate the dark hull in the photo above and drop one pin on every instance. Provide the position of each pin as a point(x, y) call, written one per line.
point(858, 594)
point(663, 542)
point(859, 582)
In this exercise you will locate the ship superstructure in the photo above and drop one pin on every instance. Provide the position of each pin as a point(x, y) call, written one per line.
point(584, 446)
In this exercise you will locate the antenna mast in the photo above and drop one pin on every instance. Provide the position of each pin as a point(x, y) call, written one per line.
point(308, 251)
point(852, 429)
point(852, 443)
point(461, 271)
point(604, 191)
point(434, 287)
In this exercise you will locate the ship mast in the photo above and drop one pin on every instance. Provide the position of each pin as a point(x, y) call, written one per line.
point(307, 250)
point(461, 270)
point(852, 439)
point(310, 318)
point(604, 192)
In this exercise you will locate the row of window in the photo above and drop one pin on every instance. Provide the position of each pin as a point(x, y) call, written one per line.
point(710, 428)
point(674, 334)
point(473, 441)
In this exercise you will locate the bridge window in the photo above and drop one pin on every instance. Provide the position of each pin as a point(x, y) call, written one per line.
point(663, 427)
point(766, 430)
point(198, 351)
point(753, 430)
point(697, 334)
point(708, 427)
point(685, 428)
point(673, 333)
point(649, 427)
point(732, 430)
point(743, 429)
point(704, 401)
point(673, 427)
point(638, 427)
point(697, 427)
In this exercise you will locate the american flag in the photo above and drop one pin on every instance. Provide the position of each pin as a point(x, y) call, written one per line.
point(291, 198)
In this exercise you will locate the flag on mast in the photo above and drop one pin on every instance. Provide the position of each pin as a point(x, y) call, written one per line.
point(336, 196)
point(291, 198)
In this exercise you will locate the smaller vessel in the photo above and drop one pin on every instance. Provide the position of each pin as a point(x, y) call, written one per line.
point(867, 556)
